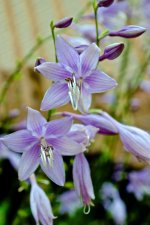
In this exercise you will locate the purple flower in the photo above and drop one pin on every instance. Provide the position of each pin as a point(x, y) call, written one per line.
point(69, 202)
point(82, 181)
point(83, 134)
point(104, 125)
point(113, 203)
point(139, 183)
point(40, 205)
point(135, 140)
point(105, 3)
point(112, 51)
point(63, 23)
point(130, 31)
point(75, 77)
point(43, 143)
point(13, 157)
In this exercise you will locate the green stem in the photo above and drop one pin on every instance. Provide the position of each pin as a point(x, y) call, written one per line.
point(54, 38)
point(95, 8)
point(20, 65)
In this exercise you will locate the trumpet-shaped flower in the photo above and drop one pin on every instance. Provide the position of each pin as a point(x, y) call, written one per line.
point(82, 180)
point(75, 77)
point(40, 205)
point(104, 125)
point(113, 203)
point(135, 140)
point(43, 143)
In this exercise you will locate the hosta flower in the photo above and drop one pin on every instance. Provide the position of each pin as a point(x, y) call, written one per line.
point(40, 205)
point(113, 203)
point(43, 143)
point(13, 157)
point(69, 202)
point(83, 134)
point(104, 125)
point(135, 140)
point(139, 183)
point(82, 181)
point(75, 77)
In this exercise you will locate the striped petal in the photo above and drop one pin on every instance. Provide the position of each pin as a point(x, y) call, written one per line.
point(66, 54)
point(29, 162)
point(53, 71)
point(56, 95)
point(99, 82)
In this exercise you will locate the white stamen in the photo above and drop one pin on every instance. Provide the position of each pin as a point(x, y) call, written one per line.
point(46, 153)
point(74, 92)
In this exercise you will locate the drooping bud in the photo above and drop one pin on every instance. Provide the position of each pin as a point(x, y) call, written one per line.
point(82, 181)
point(39, 61)
point(131, 31)
point(112, 51)
point(40, 204)
point(105, 3)
point(63, 23)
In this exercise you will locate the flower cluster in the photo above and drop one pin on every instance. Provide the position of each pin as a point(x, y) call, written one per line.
point(75, 77)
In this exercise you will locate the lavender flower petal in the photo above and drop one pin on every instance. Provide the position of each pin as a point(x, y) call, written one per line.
point(66, 146)
point(135, 141)
point(29, 162)
point(85, 100)
point(57, 95)
point(89, 58)
point(19, 140)
point(35, 122)
point(82, 179)
point(104, 124)
point(58, 127)
point(66, 54)
point(40, 206)
point(99, 82)
point(53, 71)
point(56, 172)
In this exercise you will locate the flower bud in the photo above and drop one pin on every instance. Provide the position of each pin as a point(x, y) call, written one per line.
point(82, 180)
point(39, 61)
point(105, 3)
point(63, 23)
point(130, 31)
point(40, 205)
point(112, 51)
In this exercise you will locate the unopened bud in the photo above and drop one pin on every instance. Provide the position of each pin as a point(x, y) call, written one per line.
point(39, 61)
point(130, 31)
point(63, 23)
point(112, 51)
point(105, 3)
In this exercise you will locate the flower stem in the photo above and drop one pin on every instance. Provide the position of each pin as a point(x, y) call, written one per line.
point(52, 27)
point(95, 8)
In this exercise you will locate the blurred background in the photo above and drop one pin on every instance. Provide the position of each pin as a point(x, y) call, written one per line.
point(25, 36)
